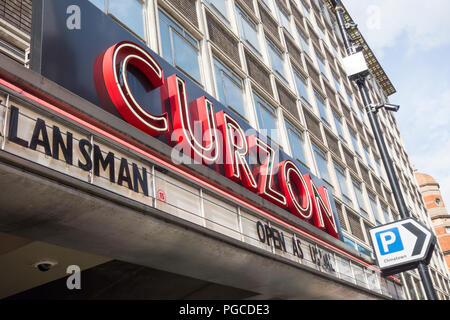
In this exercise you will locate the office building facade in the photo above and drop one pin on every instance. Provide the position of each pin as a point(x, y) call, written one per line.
point(277, 66)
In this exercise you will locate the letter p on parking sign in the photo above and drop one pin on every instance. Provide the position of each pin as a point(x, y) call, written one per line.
point(389, 241)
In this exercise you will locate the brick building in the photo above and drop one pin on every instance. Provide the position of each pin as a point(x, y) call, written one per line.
point(277, 64)
point(432, 197)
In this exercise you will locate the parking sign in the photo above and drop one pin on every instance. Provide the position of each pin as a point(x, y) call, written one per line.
point(399, 246)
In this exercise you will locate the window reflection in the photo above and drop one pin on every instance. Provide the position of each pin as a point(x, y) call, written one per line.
point(229, 88)
point(179, 48)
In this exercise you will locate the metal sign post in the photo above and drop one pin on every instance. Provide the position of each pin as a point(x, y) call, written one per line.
point(360, 78)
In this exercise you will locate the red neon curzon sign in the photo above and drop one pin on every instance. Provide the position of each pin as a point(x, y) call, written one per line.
point(282, 184)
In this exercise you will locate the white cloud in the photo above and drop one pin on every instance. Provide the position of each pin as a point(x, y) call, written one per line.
point(426, 124)
point(425, 24)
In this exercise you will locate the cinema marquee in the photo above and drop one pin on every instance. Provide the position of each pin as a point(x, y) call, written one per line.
point(142, 165)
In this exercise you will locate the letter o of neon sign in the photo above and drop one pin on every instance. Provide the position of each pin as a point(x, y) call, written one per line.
point(299, 203)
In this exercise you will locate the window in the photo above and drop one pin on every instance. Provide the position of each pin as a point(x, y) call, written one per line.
point(321, 105)
point(322, 165)
point(229, 88)
point(384, 210)
point(284, 18)
point(410, 286)
point(302, 87)
point(322, 34)
point(359, 109)
point(267, 119)
point(355, 143)
point(335, 53)
point(359, 198)
point(349, 242)
point(378, 168)
point(373, 206)
point(295, 142)
point(363, 250)
point(128, 12)
point(367, 155)
point(267, 3)
point(447, 230)
point(321, 65)
point(336, 83)
point(343, 186)
point(248, 31)
point(220, 8)
point(179, 48)
point(306, 11)
point(357, 246)
point(350, 100)
point(338, 122)
point(304, 41)
point(276, 60)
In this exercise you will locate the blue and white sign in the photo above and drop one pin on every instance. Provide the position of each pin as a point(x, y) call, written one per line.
point(401, 243)
point(389, 241)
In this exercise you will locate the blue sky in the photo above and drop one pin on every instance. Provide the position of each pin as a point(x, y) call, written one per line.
point(411, 39)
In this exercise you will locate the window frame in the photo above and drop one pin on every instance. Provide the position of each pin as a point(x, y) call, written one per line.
point(385, 212)
point(321, 64)
point(339, 126)
point(306, 11)
point(281, 12)
point(374, 208)
point(357, 186)
point(341, 172)
point(323, 155)
point(355, 144)
point(366, 151)
point(300, 135)
point(262, 103)
point(107, 11)
point(242, 15)
point(298, 75)
point(337, 83)
point(304, 40)
point(181, 32)
point(322, 111)
point(225, 18)
point(272, 48)
point(235, 79)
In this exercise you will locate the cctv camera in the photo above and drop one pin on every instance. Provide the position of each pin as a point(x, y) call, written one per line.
point(392, 107)
point(350, 25)
point(45, 265)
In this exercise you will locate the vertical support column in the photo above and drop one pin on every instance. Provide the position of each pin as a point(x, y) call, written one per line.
point(240, 223)
point(353, 272)
point(338, 272)
point(153, 186)
point(5, 122)
point(202, 207)
point(91, 172)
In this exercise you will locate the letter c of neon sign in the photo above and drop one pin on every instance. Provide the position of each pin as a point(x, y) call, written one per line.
point(114, 66)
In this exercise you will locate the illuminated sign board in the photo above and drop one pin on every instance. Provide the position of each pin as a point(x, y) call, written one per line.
point(47, 135)
point(102, 62)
